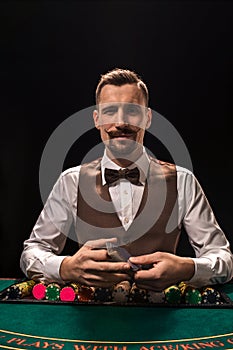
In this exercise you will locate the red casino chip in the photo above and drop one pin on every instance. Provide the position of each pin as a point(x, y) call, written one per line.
point(39, 290)
point(67, 293)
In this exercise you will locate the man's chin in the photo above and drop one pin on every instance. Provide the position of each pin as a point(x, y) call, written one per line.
point(121, 148)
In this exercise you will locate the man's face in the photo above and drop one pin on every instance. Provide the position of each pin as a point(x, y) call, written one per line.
point(122, 118)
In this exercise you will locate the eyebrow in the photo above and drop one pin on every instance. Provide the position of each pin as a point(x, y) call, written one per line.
point(115, 105)
point(104, 109)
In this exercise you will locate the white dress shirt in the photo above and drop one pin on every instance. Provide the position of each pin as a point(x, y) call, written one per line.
point(40, 257)
point(125, 196)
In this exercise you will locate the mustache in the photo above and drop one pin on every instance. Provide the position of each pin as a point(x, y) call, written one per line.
point(122, 131)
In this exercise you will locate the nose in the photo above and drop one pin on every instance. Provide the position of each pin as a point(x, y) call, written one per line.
point(120, 118)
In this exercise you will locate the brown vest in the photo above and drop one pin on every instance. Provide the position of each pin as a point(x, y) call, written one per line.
point(155, 227)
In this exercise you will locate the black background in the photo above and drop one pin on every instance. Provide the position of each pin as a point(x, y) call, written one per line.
point(52, 55)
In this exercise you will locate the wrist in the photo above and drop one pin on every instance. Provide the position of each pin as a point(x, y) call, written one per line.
point(64, 269)
point(189, 269)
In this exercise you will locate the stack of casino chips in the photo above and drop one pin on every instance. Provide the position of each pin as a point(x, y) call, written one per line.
point(84, 293)
point(103, 294)
point(52, 291)
point(137, 295)
point(154, 297)
point(69, 292)
point(75, 291)
point(39, 291)
point(210, 296)
point(172, 295)
point(190, 294)
point(20, 290)
point(121, 291)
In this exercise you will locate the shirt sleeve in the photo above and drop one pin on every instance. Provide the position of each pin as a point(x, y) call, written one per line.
point(40, 258)
point(213, 257)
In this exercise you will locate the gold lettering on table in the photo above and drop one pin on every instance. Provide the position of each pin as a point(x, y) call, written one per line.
point(46, 345)
point(199, 345)
point(16, 340)
point(167, 347)
point(38, 344)
point(82, 347)
point(99, 347)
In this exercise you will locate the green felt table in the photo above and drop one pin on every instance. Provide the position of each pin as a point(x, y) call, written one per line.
point(104, 327)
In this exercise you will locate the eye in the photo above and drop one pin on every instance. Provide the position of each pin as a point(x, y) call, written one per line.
point(133, 110)
point(109, 111)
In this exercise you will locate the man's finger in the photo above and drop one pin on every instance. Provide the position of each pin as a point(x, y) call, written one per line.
point(145, 275)
point(104, 279)
point(105, 266)
point(99, 243)
point(143, 259)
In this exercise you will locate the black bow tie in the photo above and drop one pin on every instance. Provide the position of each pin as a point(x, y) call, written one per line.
point(132, 175)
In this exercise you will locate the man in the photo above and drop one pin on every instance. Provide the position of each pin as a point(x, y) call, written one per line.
point(144, 216)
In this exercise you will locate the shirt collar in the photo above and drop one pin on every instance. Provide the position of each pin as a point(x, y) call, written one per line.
point(143, 163)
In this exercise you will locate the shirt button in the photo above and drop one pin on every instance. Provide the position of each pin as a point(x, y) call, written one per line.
point(126, 220)
point(125, 192)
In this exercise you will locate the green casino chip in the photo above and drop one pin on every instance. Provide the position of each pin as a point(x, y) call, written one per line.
point(173, 294)
point(52, 292)
point(193, 296)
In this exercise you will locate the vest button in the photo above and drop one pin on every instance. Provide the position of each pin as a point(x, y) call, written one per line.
point(126, 220)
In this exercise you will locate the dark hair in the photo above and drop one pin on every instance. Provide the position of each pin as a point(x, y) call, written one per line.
point(121, 77)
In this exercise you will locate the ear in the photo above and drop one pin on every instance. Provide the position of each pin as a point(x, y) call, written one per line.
point(96, 118)
point(149, 118)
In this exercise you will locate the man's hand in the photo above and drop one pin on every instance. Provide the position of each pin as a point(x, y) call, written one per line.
point(90, 266)
point(167, 269)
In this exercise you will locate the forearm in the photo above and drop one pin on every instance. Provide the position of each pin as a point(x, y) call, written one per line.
point(213, 257)
point(40, 257)
point(213, 269)
point(40, 264)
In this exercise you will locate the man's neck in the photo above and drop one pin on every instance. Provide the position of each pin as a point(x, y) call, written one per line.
point(127, 161)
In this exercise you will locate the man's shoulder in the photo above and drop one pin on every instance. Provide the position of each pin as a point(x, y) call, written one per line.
point(167, 167)
point(183, 171)
point(71, 171)
point(92, 164)
point(75, 171)
point(172, 167)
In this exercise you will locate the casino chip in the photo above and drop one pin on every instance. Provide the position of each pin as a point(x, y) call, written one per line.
point(137, 295)
point(172, 294)
point(38, 291)
point(103, 294)
point(20, 290)
point(211, 296)
point(190, 295)
point(193, 296)
point(52, 292)
point(85, 293)
point(155, 297)
point(120, 293)
point(67, 293)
